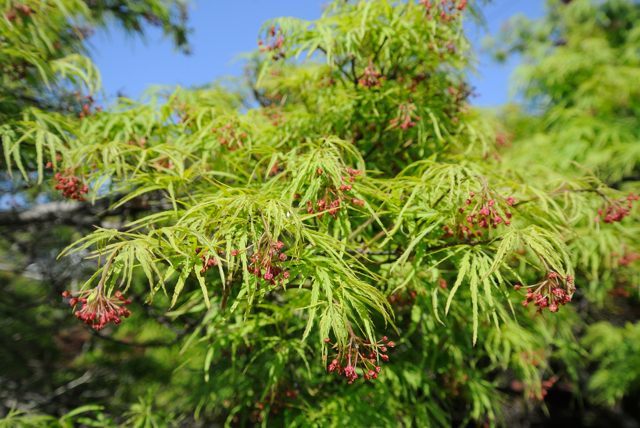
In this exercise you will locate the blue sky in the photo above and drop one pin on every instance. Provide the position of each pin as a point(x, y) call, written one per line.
point(223, 29)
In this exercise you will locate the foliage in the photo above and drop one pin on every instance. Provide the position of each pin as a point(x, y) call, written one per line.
point(615, 351)
point(361, 213)
point(580, 65)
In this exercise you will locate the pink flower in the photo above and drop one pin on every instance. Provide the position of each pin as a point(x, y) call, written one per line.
point(97, 310)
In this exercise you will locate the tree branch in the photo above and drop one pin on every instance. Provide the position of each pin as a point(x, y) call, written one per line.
point(71, 213)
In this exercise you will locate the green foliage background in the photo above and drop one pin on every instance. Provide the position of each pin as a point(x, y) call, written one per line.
point(227, 169)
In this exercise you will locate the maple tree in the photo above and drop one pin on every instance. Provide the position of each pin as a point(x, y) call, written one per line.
point(360, 245)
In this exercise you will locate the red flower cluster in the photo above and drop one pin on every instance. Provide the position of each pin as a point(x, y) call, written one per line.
point(360, 356)
point(481, 213)
point(545, 386)
point(208, 261)
point(87, 105)
point(276, 169)
point(552, 292)
point(274, 43)
point(370, 77)
point(332, 201)
point(21, 10)
point(614, 211)
point(406, 117)
point(97, 309)
point(50, 164)
point(628, 258)
point(267, 263)
point(448, 9)
point(402, 299)
point(71, 186)
point(229, 137)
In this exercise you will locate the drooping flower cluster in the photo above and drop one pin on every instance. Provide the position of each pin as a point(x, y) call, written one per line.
point(481, 212)
point(359, 358)
point(71, 186)
point(276, 168)
point(551, 293)
point(331, 201)
point(273, 43)
point(97, 309)
point(267, 262)
point(446, 10)
point(18, 11)
point(628, 257)
point(87, 106)
point(50, 164)
point(208, 261)
point(402, 299)
point(229, 137)
point(545, 386)
point(370, 77)
point(615, 211)
point(406, 117)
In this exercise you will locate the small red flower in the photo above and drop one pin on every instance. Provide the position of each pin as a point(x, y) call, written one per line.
point(357, 202)
point(615, 211)
point(370, 77)
point(97, 309)
point(359, 357)
point(552, 292)
point(406, 117)
point(70, 186)
point(266, 262)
